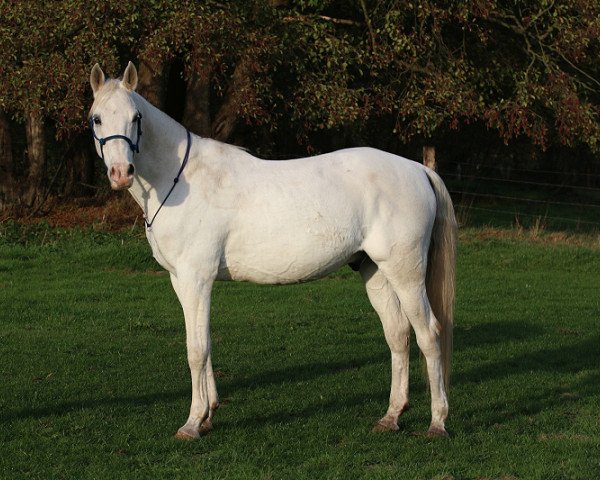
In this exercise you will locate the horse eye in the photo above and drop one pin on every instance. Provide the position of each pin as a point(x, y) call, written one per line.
point(97, 120)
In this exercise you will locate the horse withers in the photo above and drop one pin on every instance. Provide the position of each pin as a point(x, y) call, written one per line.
point(215, 212)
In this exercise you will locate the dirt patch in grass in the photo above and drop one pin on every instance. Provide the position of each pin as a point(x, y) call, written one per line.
point(116, 212)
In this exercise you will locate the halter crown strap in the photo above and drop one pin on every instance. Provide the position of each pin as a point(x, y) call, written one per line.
point(175, 181)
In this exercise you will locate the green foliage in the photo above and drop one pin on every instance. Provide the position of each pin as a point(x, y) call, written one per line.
point(95, 382)
point(413, 68)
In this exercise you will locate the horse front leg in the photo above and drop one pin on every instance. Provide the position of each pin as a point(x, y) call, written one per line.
point(194, 295)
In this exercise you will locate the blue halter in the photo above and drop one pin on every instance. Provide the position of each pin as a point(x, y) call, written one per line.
point(186, 157)
point(135, 147)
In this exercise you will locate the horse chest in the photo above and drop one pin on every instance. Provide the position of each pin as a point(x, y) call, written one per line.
point(158, 252)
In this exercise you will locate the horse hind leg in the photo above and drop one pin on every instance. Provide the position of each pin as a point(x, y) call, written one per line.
point(411, 292)
point(397, 334)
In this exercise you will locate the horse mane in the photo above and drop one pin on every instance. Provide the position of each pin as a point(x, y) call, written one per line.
point(113, 84)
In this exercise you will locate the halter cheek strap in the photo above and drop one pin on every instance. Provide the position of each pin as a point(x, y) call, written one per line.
point(135, 147)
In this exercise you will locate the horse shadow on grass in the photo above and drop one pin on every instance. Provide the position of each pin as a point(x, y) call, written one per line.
point(570, 357)
point(567, 357)
point(299, 373)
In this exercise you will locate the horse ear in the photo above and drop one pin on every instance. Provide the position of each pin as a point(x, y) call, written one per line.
point(97, 78)
point(130, 77)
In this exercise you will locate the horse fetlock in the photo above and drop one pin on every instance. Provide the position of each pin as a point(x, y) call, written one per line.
point(206, 427)
point(193, 430)
point(439, 411)
point(386, 424)
point(399, 410)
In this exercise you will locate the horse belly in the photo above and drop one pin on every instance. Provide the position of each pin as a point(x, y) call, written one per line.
point(297, 255)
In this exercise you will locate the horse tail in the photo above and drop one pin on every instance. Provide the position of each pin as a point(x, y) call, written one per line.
point(441, 266)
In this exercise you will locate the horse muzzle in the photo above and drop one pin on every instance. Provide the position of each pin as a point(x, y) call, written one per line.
point(121, 176)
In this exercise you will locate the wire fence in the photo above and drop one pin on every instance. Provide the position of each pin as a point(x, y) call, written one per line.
point(483, 166)
point(563, 199)
point(566, 201)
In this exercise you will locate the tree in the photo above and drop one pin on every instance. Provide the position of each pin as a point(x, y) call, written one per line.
point(309, 75)
point(522, 68)
point(552, 85)
point(8, 187)
point(45, 53)
point(219, 47)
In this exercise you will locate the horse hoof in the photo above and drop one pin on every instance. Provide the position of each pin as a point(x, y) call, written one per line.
point(187, 434)
point(384, 425)
point(437, 432)
point(206, 427)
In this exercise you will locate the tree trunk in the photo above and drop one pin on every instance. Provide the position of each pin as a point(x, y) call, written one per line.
point(429, 157)
point(8, 187)
point(36, 154)
point(152, 82)
point(196, 112)
point(227, 116)
point(80, 167)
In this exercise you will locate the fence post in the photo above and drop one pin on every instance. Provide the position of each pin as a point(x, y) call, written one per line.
point(429, 157)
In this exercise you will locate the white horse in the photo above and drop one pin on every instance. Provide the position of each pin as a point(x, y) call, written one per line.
point(226, 215)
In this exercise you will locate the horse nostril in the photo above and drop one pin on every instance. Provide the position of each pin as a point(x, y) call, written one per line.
point(131, 169)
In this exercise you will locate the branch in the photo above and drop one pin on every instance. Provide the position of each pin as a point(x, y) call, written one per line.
point(369, 24)
point(574, 67)
point(541, 13)
point(539, 38)
point(308, 18)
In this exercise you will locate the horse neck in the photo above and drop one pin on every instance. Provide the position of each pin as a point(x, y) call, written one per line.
point(162, 150)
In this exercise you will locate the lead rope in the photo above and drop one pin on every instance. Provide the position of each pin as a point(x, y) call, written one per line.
point(175, 181)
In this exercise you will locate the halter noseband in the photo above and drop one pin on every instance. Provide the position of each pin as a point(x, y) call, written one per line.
point(135, 147)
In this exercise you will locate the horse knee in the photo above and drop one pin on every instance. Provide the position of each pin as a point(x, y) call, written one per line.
point(197, 358)
point(429, 344)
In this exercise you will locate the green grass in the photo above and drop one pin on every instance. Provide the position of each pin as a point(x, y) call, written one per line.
point(94, 380)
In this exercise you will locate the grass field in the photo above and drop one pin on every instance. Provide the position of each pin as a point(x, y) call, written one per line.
point(94, 380)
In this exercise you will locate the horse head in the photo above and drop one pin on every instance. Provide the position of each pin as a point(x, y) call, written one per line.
point(115, 116)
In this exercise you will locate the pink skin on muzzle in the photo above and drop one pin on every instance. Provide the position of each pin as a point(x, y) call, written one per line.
point(121, 175)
